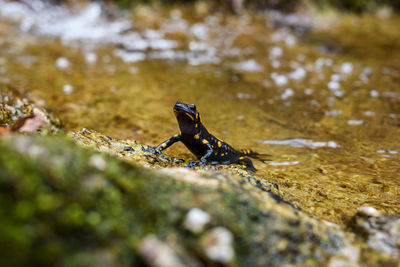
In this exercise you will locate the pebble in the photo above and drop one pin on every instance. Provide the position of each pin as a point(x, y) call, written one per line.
point(287, 94)
point(68, 89)
point(298, 74)
point(275, 52)
point(157, 253)
point(346, 67)
point(217, 245)
point(374, 93)
point(62, 63)
point(332, 85)
point(369, 211)
point(196, 219)
point(98, 162)
point(279, 80)
point(91, 58)
point(250, 66)
point(355, 122)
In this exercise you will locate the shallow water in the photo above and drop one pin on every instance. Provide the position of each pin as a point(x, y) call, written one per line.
point(321, 96)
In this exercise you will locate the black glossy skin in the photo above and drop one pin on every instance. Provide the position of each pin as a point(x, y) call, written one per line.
point(207, 148)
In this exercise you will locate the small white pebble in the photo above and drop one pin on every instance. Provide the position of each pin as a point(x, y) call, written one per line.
point(62, 63)
point(196, 219)
point(333, 85)
point(369, 211)
point(339, 93)
point(91, 58)
point(290, 40)
point(249, 65)
point(68, 89)
point(381, 151)
point(240, 117)
point(298, 75)
point(275, 52)
point(308, 91)
point(218, 245)
point(157, 253)
point(18, 104)
point(369, 113)
point(332, 144)
point(374, 93)
point(279, 80)
point(333, 113)
point(98, 162)
point(346, 67)
point(275, 64)
point(355, 122)
point(392, 151)
point(335, 77)
point(243, 96)
point(287, 94)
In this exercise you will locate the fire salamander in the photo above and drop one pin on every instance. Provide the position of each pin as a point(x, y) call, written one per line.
point(207, 148)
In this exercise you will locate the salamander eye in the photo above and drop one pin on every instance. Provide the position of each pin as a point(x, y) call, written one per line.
point(192, 107)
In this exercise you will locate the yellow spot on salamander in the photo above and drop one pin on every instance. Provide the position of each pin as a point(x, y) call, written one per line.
point(219, 144)
point(205, 141)
point(241, 157)
point(196, 125)
point(164, 145)
point(196, 136)
point(222, 154)
point(190, 116)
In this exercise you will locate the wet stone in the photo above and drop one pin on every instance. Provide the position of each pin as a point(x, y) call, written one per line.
point(380, 231)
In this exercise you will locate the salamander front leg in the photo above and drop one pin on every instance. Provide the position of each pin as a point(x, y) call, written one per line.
point(168, 143)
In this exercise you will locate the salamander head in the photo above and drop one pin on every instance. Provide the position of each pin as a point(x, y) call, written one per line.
point(188, 117)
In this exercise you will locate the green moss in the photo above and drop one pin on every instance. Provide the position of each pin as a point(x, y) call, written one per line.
point(60, 207)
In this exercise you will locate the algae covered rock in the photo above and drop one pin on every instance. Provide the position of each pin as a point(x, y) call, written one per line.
point(68, 206)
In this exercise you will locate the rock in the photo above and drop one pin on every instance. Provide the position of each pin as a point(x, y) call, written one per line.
point(217, 245)
point(380, 231)
point(97, 161)
point(63, 202)
point(195, 220)
point(158, 254)
point(369, 212)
